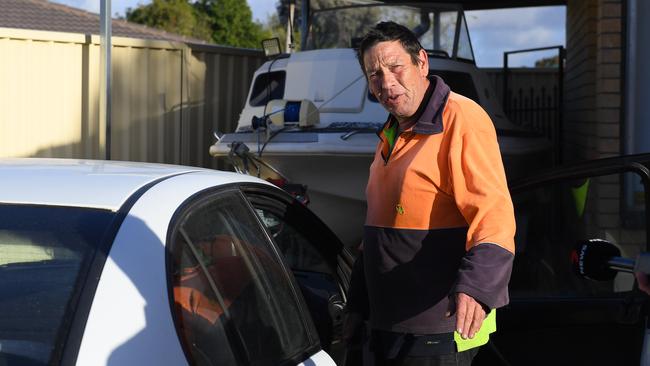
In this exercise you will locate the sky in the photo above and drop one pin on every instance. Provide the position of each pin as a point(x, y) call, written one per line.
point(492, 31)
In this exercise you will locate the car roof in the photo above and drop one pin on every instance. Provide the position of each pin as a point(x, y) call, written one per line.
point(85, 183)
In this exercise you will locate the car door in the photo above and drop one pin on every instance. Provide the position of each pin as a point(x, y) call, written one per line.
point(316, 257)
point(233, 300)
point(556, 317)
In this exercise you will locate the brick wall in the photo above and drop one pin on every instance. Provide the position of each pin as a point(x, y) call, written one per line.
point(593, 110)
point(593, 98)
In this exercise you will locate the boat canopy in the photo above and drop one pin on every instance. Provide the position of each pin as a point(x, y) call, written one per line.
point(441, 28)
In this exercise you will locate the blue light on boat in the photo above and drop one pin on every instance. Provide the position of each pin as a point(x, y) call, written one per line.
point(292, 112)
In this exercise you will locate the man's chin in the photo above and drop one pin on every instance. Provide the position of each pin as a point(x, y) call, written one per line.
point(392, 108)
point(396, 111)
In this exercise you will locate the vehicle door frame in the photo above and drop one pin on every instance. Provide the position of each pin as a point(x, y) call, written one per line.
point(345, 260)
point(329, 246)
point(611, 166)
point(310, 354)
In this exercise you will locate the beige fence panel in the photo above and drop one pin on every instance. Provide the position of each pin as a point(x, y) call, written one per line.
point(41, 94)
point(219, 79)
point(167, 98)
point(146, 96)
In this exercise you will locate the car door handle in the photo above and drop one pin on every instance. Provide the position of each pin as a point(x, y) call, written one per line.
point(336, 306)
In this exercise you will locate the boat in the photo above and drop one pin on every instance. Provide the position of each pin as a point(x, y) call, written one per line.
point(310, 122)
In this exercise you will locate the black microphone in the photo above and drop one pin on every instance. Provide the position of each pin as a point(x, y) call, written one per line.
point(600, 260)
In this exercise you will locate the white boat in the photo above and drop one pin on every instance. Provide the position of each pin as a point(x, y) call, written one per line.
point(331, 154)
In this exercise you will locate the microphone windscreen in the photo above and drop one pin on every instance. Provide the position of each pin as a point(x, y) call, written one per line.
point(590, 258)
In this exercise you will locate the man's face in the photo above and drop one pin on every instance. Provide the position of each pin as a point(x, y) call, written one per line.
point(394, 80)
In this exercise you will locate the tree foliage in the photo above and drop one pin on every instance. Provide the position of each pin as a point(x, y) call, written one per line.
point(553, 61)
point(340, 28)
point(174, 16)
point(225, 22)
point(277, 28)
point(231, 22)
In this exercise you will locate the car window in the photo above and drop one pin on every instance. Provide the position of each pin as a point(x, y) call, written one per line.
point(312, 254)
point(44, 257)
point(553, 218)
point(233, 300)
point(298, 251)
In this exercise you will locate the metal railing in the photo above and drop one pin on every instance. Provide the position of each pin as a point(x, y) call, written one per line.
point(538, 109)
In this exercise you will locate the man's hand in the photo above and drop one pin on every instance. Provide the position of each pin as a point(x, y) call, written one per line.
point(351, 324)
point(469, 314)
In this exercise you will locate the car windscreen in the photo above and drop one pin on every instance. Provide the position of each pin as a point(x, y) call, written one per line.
point(45, 254)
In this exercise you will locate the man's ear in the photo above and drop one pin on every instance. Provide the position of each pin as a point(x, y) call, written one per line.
point(424, 63)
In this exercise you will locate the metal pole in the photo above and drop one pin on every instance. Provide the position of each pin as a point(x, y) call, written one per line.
point(454, 52)
point(304, 24)
point(560, 109)
point(289, 45)
point(505, 82)
point(105, 79)
point(436, 30)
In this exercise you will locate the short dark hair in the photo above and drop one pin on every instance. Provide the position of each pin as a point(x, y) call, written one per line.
point(386, 32)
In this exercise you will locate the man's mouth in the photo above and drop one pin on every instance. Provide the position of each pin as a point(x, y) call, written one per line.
point(393, 99)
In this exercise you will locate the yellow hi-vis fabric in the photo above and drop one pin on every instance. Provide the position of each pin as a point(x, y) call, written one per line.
point(481, 337)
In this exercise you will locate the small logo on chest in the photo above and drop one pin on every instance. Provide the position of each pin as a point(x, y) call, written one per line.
point(399, 209)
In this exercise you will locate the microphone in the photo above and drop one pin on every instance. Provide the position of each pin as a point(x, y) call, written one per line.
point(600, 260)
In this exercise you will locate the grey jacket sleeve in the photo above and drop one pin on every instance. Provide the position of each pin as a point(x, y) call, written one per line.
point(484, 274)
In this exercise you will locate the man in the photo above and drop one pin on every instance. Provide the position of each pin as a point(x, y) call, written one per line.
point(438, 240)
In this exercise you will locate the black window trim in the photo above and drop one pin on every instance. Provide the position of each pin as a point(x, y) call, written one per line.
point(329, 249)
point(332, 257)
point(240, 352)
point(586, 170)
point(330, 246)
point(590, 170)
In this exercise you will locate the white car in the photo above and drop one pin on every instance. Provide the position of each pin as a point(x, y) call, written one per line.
point(115, 263)
point(112, 263)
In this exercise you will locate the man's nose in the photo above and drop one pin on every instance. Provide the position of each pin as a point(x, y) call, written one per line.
point(387, 81)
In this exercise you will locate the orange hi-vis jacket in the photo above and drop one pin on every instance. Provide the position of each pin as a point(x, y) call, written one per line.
point(440, 218)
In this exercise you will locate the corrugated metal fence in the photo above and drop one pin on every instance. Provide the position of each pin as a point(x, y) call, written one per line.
point(167, 97)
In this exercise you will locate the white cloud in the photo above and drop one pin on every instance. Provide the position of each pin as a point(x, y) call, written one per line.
point(496, 31)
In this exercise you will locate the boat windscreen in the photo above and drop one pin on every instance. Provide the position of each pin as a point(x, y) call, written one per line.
point(342, 23)
point(267, 86)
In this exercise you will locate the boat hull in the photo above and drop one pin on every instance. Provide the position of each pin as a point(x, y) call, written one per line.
point(336, 177)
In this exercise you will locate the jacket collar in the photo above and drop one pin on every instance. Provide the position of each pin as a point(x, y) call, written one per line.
point(429, 114)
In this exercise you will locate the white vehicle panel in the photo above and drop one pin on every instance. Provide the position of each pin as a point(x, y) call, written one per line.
point(131, 310)
point(318, 359)
point(70, 182)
